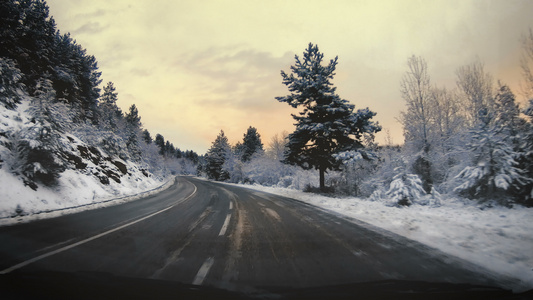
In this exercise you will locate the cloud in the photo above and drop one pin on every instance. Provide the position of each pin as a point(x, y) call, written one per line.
point(94, 14)
point(89, 28)
point(243, 78)
point(140, 72)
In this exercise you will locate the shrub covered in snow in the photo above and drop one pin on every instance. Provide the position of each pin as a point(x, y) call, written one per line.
point(405, 189)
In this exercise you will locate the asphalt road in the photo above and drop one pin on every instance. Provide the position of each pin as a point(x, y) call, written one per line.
point(207, 233)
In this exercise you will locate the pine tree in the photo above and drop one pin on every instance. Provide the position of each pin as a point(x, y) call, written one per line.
point(216, 157)
point(526, 159)
point(11, 87)
point(38, 146)
point(405, 189)
point(147, 138)
point(251, 144)
point(160, 143)
point(507, 113)
point(327, 124)
point(132, 117)
point(494, 172)
point(515, 128)
point(75, 77)
point(110, 114)
point(133, 132)
point(27, 37)
point(170, 150)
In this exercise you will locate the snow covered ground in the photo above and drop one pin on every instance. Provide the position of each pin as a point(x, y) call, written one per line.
point(81, 186)
point(75, 192)
point(498, 239)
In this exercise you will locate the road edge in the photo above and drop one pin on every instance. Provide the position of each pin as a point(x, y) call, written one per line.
point(47, 214)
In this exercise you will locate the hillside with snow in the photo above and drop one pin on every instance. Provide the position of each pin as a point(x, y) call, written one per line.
point(64, 140)
point(89, 173)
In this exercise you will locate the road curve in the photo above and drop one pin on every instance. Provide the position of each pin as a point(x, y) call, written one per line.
point(208, 233)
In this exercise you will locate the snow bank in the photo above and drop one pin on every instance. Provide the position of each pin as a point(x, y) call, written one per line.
point(499, 239)
point(75, 192)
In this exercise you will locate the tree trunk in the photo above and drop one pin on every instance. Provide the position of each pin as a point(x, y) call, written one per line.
point(322, 179)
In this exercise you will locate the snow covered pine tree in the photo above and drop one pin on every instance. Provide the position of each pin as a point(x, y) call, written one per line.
point(327, 125)
point(251, 144)
point(216, 157)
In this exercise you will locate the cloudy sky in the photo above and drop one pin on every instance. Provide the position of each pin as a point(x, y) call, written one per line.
point(196, 67)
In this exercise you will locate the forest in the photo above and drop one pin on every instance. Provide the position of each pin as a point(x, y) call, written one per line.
point(472, 140)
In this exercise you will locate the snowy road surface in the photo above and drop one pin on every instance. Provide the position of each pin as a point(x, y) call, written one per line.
point(206, 233)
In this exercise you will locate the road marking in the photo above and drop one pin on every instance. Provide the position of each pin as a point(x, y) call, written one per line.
point(45, 255)
point(225, 226)
point(230, 205)
point(204, 269)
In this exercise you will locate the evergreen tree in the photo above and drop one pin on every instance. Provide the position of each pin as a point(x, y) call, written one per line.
point(147, 138)
point(133, 132)
point(405, 189)
point(493, 172)
point(132, 117)
point(160, 143)
point(507, 113)
point(178, 153)
point(327, 124)
point(27, 37)
point(110, 114)
point(526, 159)
point(251, 144)
point(192, 156)
point(216, 157)
point(11, 87)
point(38, 146)
point(170, 150)
point(76, 77)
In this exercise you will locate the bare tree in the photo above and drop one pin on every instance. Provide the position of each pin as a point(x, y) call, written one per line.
point(475, 86)
point(277, 146)
point(416, 91)
point(526, 63)
point(447, 118)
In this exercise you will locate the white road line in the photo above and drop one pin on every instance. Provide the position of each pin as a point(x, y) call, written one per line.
point(32, 260)
point(204, 269)
point(230, 205)
point(225, 226)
